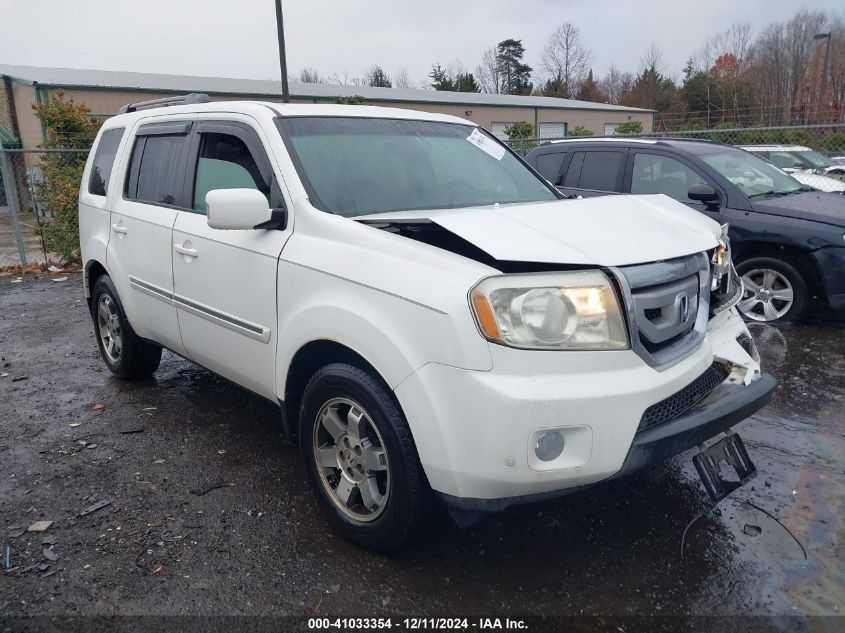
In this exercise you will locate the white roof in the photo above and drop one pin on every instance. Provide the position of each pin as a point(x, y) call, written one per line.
point(286, 109)
point(152, 82)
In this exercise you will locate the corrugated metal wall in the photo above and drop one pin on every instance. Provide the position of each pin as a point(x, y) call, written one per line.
point(107, 102)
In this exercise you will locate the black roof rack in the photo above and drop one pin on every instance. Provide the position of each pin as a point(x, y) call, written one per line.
point(194, 97)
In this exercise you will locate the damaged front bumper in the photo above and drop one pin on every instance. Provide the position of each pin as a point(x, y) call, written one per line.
point(480, 457)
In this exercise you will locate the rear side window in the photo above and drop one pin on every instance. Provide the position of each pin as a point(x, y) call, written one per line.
point(602, 171)
point(158, 165)
point(98, 181)
point(549, 165)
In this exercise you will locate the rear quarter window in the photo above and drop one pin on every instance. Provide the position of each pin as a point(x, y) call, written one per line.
point(101, 168)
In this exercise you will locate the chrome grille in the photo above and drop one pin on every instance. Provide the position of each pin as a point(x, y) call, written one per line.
point(667, 305)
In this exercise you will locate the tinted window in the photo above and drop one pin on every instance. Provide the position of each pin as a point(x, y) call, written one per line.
point(160, 169)
point(355, 166)
point(573, 173)
point(660, 174)
point(756, 177)
point(549, 165)
point(225, 162)
point(602, 171)
point(98, 182)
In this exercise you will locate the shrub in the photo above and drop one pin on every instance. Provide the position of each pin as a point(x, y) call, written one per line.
point(518, 131)
point(629, 127)
point(580, 130)
point(68, 126)
point(353, 100)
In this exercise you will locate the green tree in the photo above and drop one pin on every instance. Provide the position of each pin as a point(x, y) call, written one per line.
point(580, 130)
point(465, 82)
point(440, 79)
point(67, 126)
point(514, 76)
point(377, 78)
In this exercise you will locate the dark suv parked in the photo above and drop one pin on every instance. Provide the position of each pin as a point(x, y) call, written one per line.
point(788, 240)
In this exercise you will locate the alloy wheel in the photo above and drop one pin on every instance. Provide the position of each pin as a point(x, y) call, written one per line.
point(351, 459)
point(767, 295)
point(108, 326)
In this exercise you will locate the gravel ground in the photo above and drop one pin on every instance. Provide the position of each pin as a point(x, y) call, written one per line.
point(170, 542)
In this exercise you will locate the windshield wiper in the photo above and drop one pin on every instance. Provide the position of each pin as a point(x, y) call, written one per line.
point(778, 194)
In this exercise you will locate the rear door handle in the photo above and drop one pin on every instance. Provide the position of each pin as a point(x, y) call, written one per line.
point(119, 228)
point(189, 252)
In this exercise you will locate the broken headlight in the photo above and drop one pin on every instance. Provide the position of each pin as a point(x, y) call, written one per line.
point(725, 284)
point(553, 311)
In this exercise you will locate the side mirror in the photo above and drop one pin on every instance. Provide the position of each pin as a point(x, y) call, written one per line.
point(705, 194)
point(242, 210)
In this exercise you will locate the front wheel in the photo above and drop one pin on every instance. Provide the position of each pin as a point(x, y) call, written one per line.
point(361, 459)
point(774, 291)
point(126, 355)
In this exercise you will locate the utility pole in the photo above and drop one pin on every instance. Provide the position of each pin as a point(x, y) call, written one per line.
point(283, 63)
point(821, 36)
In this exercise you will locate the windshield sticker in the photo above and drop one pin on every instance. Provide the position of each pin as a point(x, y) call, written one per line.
point(486, 144)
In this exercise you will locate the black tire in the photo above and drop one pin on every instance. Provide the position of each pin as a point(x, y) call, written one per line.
point(408, 504)
point(137, 359)
point(796, 280)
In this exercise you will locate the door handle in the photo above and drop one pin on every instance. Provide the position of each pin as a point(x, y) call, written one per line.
point(189, 252)
point(119, 228)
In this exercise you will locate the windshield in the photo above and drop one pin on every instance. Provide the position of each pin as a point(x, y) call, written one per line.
point(815, 159)
point(756, 177)
point(356, 166)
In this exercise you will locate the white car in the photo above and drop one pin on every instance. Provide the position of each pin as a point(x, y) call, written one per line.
point(434, 322)
point(806, 165)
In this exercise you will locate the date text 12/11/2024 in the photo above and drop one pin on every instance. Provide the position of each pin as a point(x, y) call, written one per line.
point(417, 624)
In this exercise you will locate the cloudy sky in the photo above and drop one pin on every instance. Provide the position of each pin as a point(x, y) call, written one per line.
point(236, 38)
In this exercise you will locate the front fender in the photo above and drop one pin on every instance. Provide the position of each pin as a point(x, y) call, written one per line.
point(395, 335)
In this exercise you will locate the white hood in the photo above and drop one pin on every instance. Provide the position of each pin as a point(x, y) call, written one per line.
point(603, 231)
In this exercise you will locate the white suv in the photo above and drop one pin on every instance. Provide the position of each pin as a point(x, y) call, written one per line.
point(434, 322)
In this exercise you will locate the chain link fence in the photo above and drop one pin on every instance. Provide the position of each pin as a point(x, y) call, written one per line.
point(813, 154)
point(34, 185)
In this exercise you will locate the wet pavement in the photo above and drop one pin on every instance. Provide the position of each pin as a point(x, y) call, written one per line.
point(258, 544)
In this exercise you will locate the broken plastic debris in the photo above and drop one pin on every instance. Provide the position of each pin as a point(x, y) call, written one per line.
point(39, 526)
point(54, 269)
point(60, 279)
point(156, 569)
point(73, 425)
point(94, 507)
point(752, 530)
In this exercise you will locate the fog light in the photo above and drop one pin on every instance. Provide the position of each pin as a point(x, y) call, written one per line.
point(549, 446)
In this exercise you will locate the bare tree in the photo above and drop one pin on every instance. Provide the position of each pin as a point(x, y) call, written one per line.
point(310, 76)
point(401, 79)
point(615, 84)
point(652, 59)
point(487, 72)
point(566, 59)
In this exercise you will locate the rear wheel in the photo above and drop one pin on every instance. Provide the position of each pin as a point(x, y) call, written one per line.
point(126, 355)
point(774, 291)
point(361, 459)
